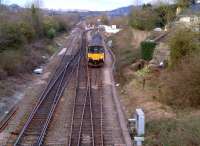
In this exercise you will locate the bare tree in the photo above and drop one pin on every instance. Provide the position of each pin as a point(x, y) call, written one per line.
point(34, 15)
point(38, 3)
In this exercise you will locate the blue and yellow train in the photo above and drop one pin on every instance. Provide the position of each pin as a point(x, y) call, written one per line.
point(96, 51)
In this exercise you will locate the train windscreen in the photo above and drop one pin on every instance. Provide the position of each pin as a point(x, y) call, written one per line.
point(96, 49)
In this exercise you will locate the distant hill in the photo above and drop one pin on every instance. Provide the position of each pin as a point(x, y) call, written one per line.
point(15, 8)
point(124, 11)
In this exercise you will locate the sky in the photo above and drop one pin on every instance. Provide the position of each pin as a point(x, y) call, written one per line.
point(99, 5)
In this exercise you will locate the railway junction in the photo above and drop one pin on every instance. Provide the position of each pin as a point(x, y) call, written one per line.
point(77, 107)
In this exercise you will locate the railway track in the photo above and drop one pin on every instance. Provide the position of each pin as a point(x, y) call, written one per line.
point(87, 116)
point(97, 105)
point(35, 128)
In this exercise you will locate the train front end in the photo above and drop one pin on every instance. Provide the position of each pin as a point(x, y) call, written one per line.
point(96, 56)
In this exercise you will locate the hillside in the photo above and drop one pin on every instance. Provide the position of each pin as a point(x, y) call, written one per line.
point(123, 11)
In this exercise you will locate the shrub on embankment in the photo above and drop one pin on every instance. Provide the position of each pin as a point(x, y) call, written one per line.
point(183, 42)
point(149, 17)
point(124, 51)
point(19, 32)
point(181, 83)
point(147, 50)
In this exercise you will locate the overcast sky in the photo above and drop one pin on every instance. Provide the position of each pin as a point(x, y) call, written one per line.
point(81, 4)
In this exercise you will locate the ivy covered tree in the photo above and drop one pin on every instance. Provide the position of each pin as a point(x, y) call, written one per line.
point(166, 13)
point(145, 19)
point(146, 6)
point(185, 3)
point(104, 19)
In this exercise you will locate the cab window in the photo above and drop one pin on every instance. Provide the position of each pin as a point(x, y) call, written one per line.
point(95, 49)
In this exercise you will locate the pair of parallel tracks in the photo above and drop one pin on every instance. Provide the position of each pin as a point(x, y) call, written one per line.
point(35, 128)
point(87, 116)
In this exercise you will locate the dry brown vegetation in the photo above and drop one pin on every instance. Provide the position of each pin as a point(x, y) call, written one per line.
point(126, 47)
point(170, 97)
point(181, 86)
point(183, 42)
point(124, 51)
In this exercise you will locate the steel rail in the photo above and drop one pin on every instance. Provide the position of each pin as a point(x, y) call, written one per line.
point(75, 99)
point(7, 118)
point(73, 112)
point(97, 99)
point(102, 139)
point(99, 84)
point(82, 117)
point(86, 97)
point(41, 101)
point(52, 77)
point(56, 100)
point(87, 109)
point(91, 112)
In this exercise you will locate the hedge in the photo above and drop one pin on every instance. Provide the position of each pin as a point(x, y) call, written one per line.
point(147, 50)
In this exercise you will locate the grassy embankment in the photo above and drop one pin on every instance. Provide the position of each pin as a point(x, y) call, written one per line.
point(126, 48)
point(170, 97)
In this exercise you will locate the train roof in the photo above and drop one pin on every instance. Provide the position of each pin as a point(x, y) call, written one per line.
point(97, 40)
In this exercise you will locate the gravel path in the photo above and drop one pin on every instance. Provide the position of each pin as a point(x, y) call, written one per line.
point(116, 132)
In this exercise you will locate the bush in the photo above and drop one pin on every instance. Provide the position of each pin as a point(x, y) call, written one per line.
point(11, 62)
point(181, 86)
point(123, 49)
point(166, 14)
point(51, 33)
point(62, 22)
point(62, 26)
point(31, 61)
point(10, 36)
point(147, 50)
point(183, 43)
point(125, 52)
point(145, 19)
point(50, 23)
point(27, 30)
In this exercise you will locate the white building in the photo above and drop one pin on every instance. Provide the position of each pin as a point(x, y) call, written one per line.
point(110, 29)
